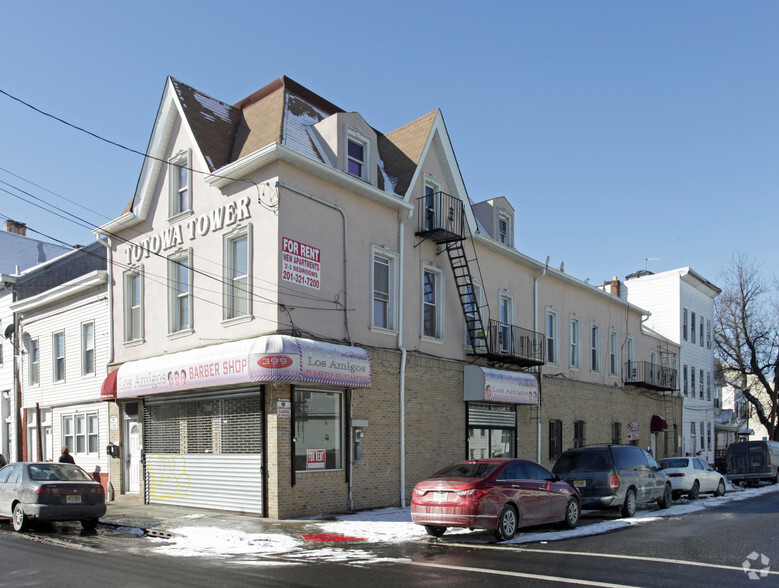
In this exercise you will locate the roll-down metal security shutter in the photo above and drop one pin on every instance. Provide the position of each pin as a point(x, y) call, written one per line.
point(205, 453)
point(492, 416)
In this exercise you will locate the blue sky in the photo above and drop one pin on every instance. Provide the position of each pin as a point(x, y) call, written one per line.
point(625, 134)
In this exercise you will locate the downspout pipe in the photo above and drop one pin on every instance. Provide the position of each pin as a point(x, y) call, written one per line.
point(280, 184)
point(535, 328)
point(402, 382)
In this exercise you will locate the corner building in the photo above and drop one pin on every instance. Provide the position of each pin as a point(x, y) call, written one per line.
point(309, 316)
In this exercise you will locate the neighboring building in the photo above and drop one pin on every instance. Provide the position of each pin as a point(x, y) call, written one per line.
point(681, 303)
point(19, 253)
point(309, 316)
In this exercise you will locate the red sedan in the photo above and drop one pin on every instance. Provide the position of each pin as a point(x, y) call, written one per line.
point(498, 494)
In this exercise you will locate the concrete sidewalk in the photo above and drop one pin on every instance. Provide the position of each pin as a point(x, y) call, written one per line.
point(162, 521)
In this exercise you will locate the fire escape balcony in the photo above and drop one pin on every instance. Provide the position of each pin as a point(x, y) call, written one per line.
point(512, 344)
point(440, 218)
point(652, 376)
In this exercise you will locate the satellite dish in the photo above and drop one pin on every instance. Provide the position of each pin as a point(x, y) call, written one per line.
point(9, 330)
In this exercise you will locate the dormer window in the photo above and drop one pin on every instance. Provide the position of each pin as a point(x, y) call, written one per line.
point(357, 155)
point(504, 228)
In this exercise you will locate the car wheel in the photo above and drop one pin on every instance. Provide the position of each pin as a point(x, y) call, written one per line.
point(720, 488)
point(629, 506)
point(696, 488)
point(572, 513)
point(20, 519)
point(507, 523)
point(90, 524)
point(435, 530)
point(666, 500)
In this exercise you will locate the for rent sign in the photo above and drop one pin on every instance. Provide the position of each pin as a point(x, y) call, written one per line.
point(299, 263)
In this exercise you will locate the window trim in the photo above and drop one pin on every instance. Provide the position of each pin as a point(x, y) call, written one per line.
point(684, 324)
point(175, 295)
point(85, 349)
point(230, 299)
point(55, 359)
point(34, 374)
point(506, 301)
point(552, 344)
point(595, 348)
point(504, 239)
point(182, 159)
point(575, 342)
point(391, 259)
point(129, 335)
point(439, 301)
point(613, 352)
point(91, 430)
point(355, 136)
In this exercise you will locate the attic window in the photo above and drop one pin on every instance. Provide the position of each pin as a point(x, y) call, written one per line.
point(180, 182)
point(357, 152)
point(504, 228)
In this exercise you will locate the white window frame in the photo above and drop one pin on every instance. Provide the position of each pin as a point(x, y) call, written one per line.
point(81, 433)
point(693, 328)
point(506, 315)
point(436, 304)
point(552, 344)
point(133, 307)
point(58, 361)
point(684, 324)
point(390, 259)
point(630, 359)
point(236, 288)
point(708, 333)
point(613, 352)
point(88, 348)
point(178, 297)
point(34, 353)
point(179, 163)
point(356, 137)
point(504, 237)
point(575, 347)
point(432, 208)
point(595, 348)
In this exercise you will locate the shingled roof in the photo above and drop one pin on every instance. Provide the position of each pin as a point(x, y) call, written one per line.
point(282, 112)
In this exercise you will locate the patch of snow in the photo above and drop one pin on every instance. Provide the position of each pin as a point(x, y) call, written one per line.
point(214, 107)
point(393, 525)
point(389, 182)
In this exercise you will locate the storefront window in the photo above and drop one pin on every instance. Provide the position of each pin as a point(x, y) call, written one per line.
point(318, 430)
point(490, 443)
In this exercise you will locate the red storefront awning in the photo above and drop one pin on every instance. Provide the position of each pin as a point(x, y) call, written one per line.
point(108, 388)
point(658, 424)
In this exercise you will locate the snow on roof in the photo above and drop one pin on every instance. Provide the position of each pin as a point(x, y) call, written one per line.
point(215, 107)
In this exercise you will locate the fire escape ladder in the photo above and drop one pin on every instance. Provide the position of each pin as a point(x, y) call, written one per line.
point(465, 290)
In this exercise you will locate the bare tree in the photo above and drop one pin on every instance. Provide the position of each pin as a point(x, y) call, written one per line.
point(746, 334)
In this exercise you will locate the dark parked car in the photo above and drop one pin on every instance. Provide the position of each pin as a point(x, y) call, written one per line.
point(614, 476)
point(498, 494)
point(752, 462)
point(49, 492)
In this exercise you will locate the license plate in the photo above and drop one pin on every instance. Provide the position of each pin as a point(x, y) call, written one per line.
point(440, 496)
point(74, 499)
point(580, 483)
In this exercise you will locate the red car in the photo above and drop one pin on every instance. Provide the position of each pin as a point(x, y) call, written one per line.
point(498, 494)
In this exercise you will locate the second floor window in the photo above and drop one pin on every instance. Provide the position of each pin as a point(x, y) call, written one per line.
point(684, 383)
point(58, 356)
point(383, 291)
point(431, 304)
point(35, 362)
point(595, 348)
point(180, 285)
point(574, 352)
point(551, 336)
point(237, 295)
point(692, 327)
point(684, 324)
point(87, 348)
point(133, 306)
point(613, 353)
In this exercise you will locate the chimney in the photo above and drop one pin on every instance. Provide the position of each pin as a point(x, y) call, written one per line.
point(615, 286)
point(12, 226)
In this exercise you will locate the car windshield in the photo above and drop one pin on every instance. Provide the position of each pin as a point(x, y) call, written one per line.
point(55, 472)
point(476, 470)
point(590, 460)
point(674, 463)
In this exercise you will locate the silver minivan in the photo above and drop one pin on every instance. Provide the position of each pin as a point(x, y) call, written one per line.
point(753, 461)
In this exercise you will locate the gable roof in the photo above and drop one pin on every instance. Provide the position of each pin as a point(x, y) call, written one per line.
point(402, 149)
point(22, 252)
